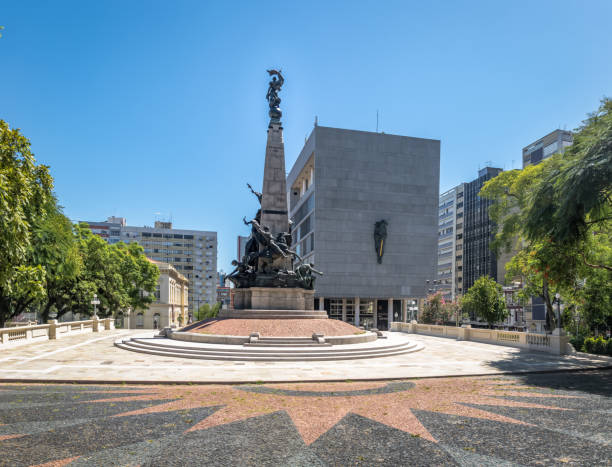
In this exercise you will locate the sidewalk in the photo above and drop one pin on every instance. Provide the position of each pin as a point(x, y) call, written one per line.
point(94, 358)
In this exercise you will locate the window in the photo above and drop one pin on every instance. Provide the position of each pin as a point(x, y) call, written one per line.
point(335, 308)
point(188, 237)
point(459, 236)
point(144, 234)
point(157, 235)
point(177, 236)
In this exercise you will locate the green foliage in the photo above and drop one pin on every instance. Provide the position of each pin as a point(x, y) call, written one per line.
point(432, 309)
point(575, 196)
point(120, 274)
point(485, 300)
point(598, 345)
point(556, 217)
point(206, 311)
point(48, 264)
point(25, 198)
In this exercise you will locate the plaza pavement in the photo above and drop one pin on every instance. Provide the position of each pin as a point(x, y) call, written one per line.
point(529, 419)
point(94, 358)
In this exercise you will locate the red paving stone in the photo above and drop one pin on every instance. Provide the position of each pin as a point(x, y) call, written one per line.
point(277, 327)
point(314, 416)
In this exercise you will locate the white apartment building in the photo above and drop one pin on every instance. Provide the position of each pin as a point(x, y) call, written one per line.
point(193, 253)
point(449, 260)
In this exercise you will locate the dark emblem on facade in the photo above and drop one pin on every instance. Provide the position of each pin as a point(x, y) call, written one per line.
point(380, 237)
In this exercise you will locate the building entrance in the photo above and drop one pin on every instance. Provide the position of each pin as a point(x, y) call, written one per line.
point(382, 318)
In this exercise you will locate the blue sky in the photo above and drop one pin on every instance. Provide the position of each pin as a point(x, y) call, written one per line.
point(145, 107)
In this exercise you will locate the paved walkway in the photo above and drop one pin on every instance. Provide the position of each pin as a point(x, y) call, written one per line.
point(532, 419)
point(94, 358)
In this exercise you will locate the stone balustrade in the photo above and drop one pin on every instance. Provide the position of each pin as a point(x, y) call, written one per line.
point(553, 344)
point(52, 330)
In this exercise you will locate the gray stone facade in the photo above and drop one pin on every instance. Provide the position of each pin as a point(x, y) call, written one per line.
point(341, 184)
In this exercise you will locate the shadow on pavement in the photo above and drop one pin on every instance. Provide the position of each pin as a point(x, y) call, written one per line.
point(576, 372)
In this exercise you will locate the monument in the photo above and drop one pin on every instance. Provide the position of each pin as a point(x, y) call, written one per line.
point(273, 316)
point(269, 277)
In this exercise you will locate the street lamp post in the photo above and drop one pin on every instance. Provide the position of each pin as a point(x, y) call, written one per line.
point(95, 302)
point(558, 330)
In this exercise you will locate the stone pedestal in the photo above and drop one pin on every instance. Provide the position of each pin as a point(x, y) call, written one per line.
point(273, 303)
point(268, 298)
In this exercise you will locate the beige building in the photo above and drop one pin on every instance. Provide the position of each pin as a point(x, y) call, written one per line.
point(170, 306)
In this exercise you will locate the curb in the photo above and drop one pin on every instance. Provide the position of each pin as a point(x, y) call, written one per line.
point(236, 383)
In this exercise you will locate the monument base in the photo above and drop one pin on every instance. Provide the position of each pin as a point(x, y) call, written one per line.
point(272, 298)
point(272, 314)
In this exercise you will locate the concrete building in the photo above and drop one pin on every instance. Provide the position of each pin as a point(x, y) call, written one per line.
point(546, 146)
point(450, 242)
point(341, 184)
point(478, 231)
point(191, 252)
point(110, 230)
point(170, 305)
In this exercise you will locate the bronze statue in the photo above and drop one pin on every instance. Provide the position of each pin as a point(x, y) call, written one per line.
point(274, 101)
point(265, 237)
point(256, 193)
point(380, 236)
point(240, 275)
point(304, 274)
point(269, 260)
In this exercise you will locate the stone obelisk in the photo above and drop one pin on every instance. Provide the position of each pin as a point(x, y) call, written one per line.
point(274, 212)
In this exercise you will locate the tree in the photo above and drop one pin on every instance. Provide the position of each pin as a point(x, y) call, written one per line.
point(139, 275)
point(510, 192)
point(25, 197)
point(485, 300)
point(557, 217)
point(206, 311)
point(437, 311)
point(55, 246)
point(120, 274)
point(574, 198)
point(432, 309)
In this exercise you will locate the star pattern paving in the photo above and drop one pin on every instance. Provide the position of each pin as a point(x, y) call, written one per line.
point(530, 420)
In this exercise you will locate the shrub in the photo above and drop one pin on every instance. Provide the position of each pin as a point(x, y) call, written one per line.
point(601, 345)
point(598, 345)
point(589, 345)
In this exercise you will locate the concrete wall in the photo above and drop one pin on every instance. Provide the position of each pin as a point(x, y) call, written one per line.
point(363, 177)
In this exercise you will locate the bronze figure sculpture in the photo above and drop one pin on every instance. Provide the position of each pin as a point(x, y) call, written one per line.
point(274, 101)
point(269, 260)
point(380, 236)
